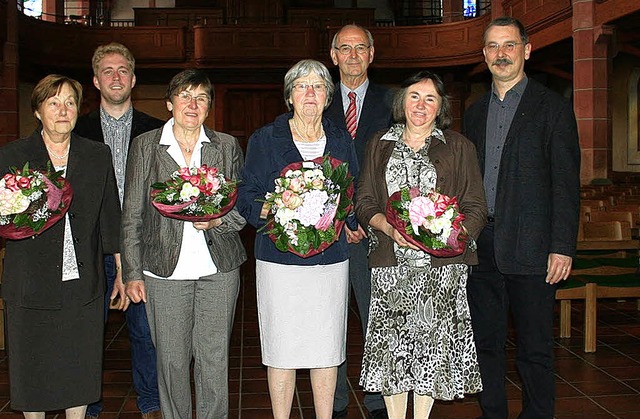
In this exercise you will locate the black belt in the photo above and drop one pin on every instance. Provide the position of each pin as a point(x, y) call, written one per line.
point(491, 219)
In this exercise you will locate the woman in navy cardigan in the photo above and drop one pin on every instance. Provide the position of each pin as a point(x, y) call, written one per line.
point(302, 302)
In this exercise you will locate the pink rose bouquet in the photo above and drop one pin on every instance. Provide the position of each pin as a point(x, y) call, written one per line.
point(31, 201)
point(195, 194)
point(309, 205)
point(431, 221)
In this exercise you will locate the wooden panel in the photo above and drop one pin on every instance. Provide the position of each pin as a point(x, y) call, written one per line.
point(610, 10)
point(322, 18)
point(536, 15)
point(184, 17)
point(3, 30)
point(441, 45)
point(251, 45)
point(75, 44)
point(243, 109)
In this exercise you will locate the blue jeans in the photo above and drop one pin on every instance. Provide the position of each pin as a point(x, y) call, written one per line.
point(360, 279)
point(143, 353)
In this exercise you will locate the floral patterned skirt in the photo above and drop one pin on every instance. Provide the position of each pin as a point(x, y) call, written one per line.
point(419, 336)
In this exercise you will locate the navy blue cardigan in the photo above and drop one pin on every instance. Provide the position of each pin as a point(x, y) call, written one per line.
point(270, 149)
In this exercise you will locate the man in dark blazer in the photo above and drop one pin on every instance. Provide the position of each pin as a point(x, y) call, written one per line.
point(116, 123)
point(527, 143)
point(352, 51)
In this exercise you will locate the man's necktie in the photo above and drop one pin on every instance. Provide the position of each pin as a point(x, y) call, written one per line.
point(351, 115)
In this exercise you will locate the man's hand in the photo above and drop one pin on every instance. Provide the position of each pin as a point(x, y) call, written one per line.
point(558, 268)
point(135, 291)
point(354, 236)
point(118, 297)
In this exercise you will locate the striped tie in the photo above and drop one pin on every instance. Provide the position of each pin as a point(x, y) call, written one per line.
point(350, 116)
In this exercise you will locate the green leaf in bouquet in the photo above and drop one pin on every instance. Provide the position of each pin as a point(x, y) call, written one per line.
point(161, 186)
point(282, 244)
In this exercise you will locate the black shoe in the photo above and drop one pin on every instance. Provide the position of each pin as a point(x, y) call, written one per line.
point(378, 414)
point(337, 414)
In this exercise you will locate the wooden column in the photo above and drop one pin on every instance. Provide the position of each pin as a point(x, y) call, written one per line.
point(451, 11)
point(591, 69)
point(9, 121)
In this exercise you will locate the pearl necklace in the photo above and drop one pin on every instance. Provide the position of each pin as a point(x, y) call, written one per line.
point(64, 156)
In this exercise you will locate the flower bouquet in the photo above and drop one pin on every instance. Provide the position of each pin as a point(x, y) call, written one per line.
point(309, 206)
point(432, 221)
point(195, 194)
point(31, 201)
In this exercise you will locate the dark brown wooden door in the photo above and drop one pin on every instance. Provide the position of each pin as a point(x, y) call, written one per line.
point(241, 110)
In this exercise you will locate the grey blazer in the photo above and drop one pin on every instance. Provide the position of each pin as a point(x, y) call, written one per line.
point(152, 242)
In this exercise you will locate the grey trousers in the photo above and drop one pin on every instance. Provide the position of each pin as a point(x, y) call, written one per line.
point(193, 319)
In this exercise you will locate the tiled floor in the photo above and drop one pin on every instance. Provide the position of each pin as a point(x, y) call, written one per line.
point(605, 384)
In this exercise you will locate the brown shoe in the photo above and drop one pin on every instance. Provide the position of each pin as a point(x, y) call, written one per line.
point(156, 414)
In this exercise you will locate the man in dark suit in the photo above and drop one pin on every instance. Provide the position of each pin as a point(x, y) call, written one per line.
point(116, 123)
point(527, 143)
point(362, 108)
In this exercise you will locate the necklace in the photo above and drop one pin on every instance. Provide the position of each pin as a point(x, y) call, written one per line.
point(295, 127)
point(187, 149)
point(64, 156)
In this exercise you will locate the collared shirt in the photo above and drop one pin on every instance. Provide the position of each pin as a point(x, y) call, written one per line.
point(360, 92)
point(499, 118)
point(116, 134)
point(194, 260)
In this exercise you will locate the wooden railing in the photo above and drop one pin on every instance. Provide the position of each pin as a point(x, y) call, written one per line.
point(231, 45)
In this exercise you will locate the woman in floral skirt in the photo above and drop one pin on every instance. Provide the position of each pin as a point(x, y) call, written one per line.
point(419, 336)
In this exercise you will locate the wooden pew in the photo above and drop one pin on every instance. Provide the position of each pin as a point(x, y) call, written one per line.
point(596, 282)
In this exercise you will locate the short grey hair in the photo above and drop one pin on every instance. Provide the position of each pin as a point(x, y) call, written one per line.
point(304, 68)
point(334, 43)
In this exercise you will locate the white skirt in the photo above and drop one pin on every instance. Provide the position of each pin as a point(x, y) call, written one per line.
point(302, 313)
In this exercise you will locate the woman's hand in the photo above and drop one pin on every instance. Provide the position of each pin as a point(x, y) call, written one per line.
point(207, 225)
point(118, 297)
point(379, 222)
point(400, 240)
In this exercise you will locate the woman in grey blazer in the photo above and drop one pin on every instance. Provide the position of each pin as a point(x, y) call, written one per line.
point(186, 273)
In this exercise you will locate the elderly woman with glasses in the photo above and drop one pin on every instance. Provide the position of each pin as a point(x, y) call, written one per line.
point(186, 273)
point(302, 302)
point(53, 282)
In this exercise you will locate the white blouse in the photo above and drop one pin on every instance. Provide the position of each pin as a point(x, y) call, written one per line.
point(194, 260)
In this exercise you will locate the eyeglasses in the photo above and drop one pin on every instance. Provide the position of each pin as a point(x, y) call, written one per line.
point(506, 47)
point(302, 87)
point(346, 49)
point(187, 97)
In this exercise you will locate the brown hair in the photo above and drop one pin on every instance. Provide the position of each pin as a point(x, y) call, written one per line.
point(190, 78)
point(50, 86)
point(445, 115)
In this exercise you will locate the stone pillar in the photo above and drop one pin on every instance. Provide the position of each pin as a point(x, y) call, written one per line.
point(9, 121)
point(591, 69)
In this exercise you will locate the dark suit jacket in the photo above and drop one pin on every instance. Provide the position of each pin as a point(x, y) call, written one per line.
point(89, 125)
point(538, 191)
point(375, 115)
point(33, 267)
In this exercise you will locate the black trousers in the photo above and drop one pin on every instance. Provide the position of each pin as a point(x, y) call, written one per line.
point(531, 301)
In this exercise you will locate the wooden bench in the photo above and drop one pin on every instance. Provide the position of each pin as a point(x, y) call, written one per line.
point(598, 276)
